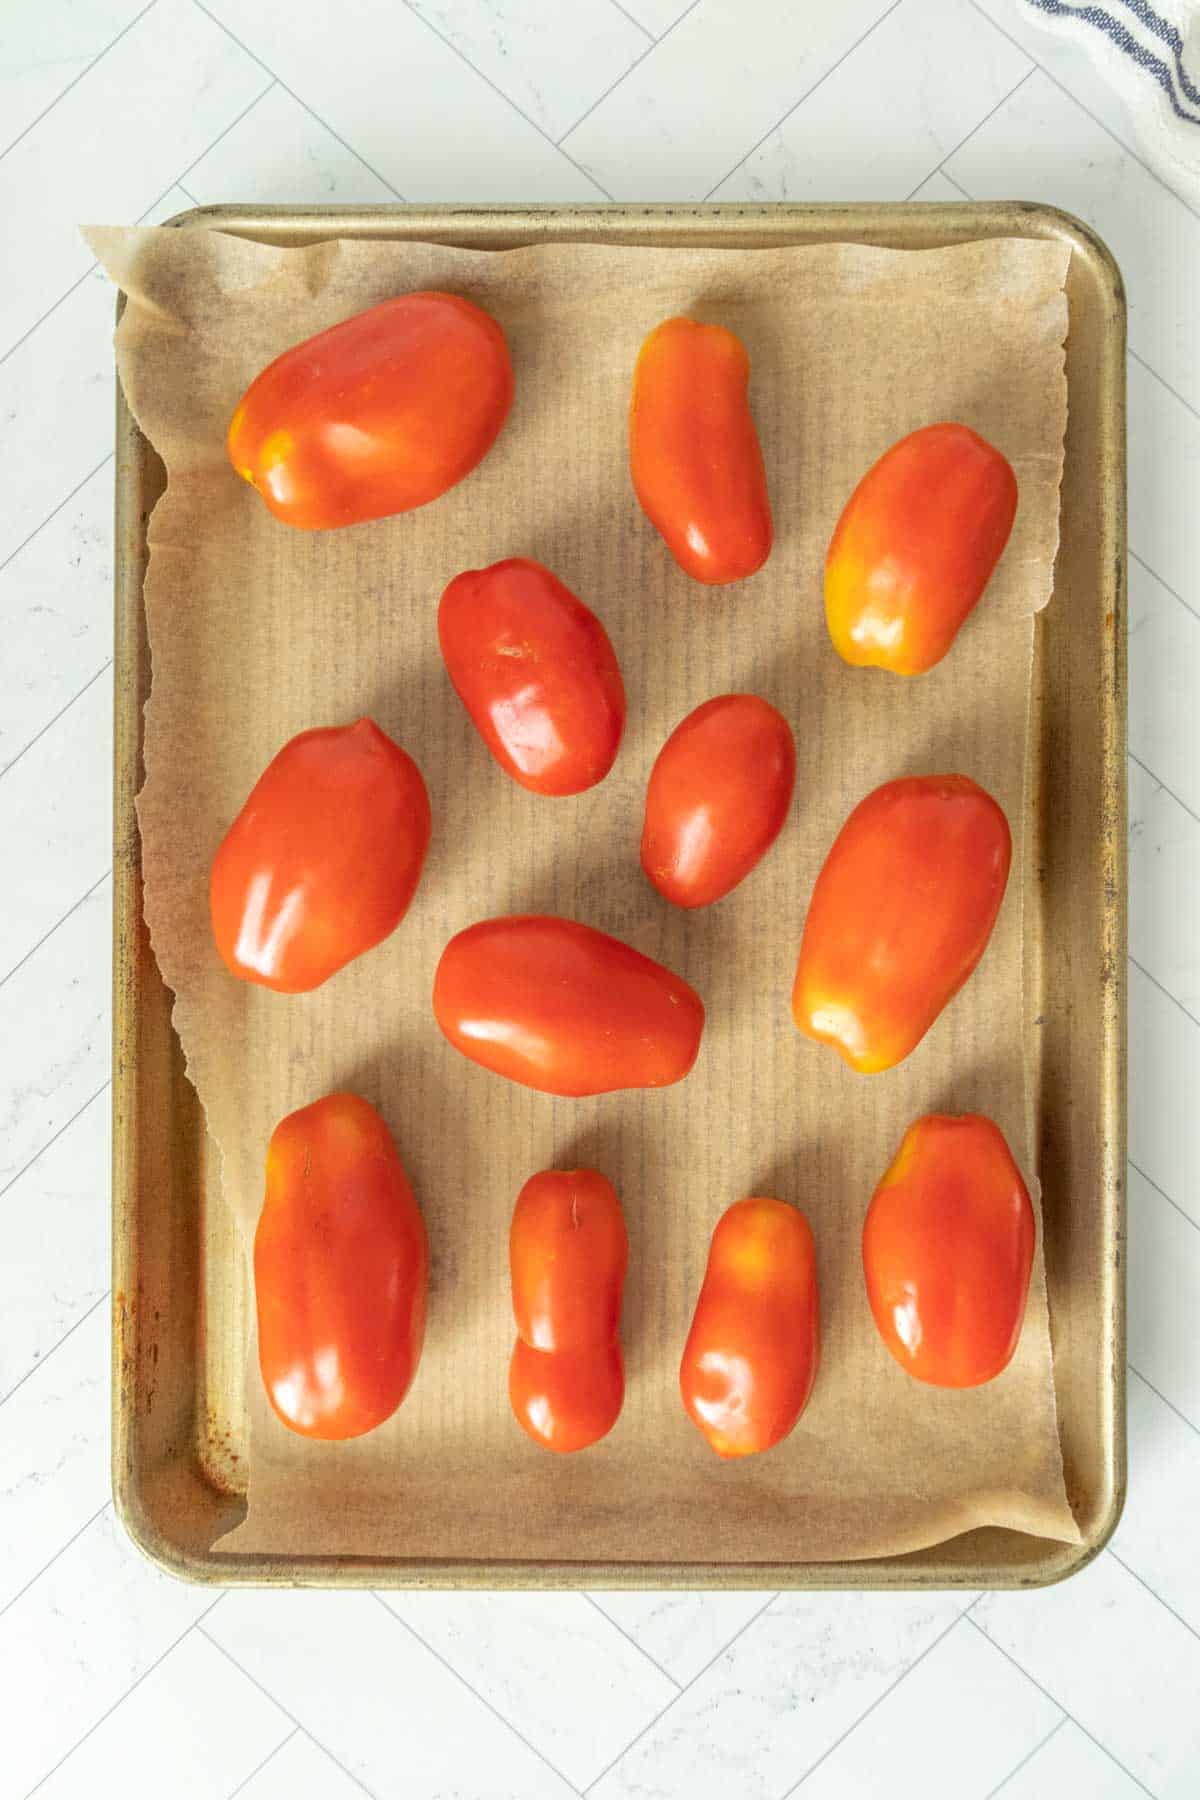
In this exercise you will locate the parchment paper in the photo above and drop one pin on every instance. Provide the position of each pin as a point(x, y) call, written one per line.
point(259, 631)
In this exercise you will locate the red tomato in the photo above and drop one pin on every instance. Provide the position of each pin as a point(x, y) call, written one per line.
point(948, 1250)
point(916, 546)
point(323, 859)
point(718, 796)
point(694, 454)
point(340, 1271)
point(751, 1356)
point(900, 915)
point(568, 1400)
point(568, 1252)
point(535, 670)
point(563, 1008)
point(377, 415)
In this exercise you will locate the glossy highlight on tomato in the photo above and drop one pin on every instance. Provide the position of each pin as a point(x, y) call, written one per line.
point(694, 455)
point(751, 1356)
point(564, 1008)
point(915, 548)
point(900, 915)
point(340, 1271)
point(568, 1252)
point(377, 415)
point(535, 670)
point(717, 798)
point(323, 860)
point(948, 1250)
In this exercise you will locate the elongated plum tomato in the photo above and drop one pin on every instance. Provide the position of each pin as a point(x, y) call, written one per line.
point(376, 415)
point(568, 1252)
point(558, 1006)
point(694, 453)
point(717, 799)
point(916, 546)
point(323, 859)
point(947, 1251)
point(751, 1356)
point(900, 915)
point(340, 1271)
point(535, 670)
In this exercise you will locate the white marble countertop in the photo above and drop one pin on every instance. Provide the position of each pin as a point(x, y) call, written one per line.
point(117, 1679)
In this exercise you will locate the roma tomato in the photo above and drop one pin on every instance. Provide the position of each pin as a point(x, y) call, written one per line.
point(340, 1271)
point(900, 915)
point(694, 453)
point(568, 1252)
point(947, 1251)
point(323, 859)
point(915, 547)
point(717, 799)
point(751, 1355)
point(377, 415)
point(568, 1400)
point(558, 1006)
point(535, 670)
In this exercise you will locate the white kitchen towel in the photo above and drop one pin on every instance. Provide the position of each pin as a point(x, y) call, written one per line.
point(1151, 55)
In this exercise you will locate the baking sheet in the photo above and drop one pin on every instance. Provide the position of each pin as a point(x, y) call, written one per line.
point(257, 632)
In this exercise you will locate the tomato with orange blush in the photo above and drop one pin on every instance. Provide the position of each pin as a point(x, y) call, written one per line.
point(376, 415)
point(948, 1251)
point(915, 548)
point(900, 915)
point(751, 1356)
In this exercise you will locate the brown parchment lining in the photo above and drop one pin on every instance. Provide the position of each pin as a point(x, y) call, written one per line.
point(258, 632)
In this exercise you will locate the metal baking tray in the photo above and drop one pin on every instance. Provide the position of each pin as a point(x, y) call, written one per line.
point(180, 1325)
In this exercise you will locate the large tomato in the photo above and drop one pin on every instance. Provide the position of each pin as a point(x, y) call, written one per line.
point(915, 547)
point(717, 798)
point(377, 415)
point(947, 1251)
point(340, 1271)
point(751, 1356)
point(694, 453)
point(900, 915)
point(535, 670)
point(561, 1007)
point(568, 1250)
point(323, 859)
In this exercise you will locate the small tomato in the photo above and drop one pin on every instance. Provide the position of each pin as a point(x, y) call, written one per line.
point(717, 798)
